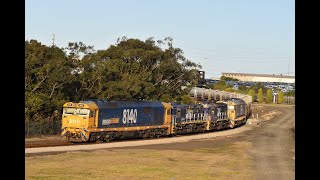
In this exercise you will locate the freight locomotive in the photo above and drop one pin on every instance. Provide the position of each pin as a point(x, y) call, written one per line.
point(102, 120)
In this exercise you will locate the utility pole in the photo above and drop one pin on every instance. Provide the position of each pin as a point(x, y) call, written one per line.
point(288, 75)
point(53, 40)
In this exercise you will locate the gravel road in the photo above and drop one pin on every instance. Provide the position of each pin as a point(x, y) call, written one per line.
point(274, 147)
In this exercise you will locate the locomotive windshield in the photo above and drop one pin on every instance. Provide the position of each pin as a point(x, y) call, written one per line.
point(76, 111)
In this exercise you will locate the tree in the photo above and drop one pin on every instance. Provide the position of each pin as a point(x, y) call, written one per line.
point(269, 96)
point(252, 94)
point(228, 78)
point(46, 73)
point(230, 89)
point(130, 69)
point(280, 97)
point(290, 93)
point(166, 98)
point(186, 99)
point(220, 85)
point(260, 95)
point(138, 69)
point(242, 88)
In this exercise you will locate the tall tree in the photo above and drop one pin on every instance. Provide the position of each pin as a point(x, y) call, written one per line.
point(130, 69)
point(252, 94)
point(280, 97)
point(260, 95)
point(269, 96)
point(138, 69)
point(46, 73)
point(220, 85)
point(186, 99)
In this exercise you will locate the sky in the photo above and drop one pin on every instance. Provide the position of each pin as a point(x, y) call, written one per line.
point(239, 36)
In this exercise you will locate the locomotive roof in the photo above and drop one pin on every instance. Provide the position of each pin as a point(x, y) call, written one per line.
point(237, 101)
point(219, 104)
point(119, 104)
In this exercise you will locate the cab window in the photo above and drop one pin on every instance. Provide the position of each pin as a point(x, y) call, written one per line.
point(68, 110)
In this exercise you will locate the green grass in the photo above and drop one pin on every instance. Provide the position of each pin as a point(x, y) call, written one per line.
point(224, 162)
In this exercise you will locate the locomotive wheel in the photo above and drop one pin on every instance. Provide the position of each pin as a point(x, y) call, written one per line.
point(231, 124)
point(152, 134)
point(220, 127)
point(144, 135)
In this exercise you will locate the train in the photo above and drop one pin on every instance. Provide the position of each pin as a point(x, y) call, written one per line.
point(104, 120)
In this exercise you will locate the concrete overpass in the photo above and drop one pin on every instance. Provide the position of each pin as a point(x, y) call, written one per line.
point(260, 77)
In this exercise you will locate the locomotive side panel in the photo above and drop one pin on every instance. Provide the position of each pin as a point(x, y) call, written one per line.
point(130, 114)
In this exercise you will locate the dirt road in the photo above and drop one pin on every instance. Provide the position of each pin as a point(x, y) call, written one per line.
point(272, 143)
point(274, 147)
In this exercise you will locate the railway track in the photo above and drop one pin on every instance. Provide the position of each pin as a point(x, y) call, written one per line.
point(66, 143)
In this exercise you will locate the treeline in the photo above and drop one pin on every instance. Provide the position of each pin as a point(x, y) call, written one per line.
point(258, 92)
point(130, 69)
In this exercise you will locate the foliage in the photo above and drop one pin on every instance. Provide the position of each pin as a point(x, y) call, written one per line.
point(260, 95)
point(259, 85)
point(130, 69)
point(252, 94)
point(290, 93)
point(228, 78)
point(166, 98)
point(280, 97)
point(269, 96)
point(242, 89)
point(186, 99)
point(220, 85)
point(230, 89)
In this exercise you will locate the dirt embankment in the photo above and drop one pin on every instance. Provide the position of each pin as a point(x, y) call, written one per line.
point(265, 112)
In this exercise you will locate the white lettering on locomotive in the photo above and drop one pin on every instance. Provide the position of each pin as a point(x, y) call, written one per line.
point(129, 116)
point(74, 121)
point(105, 121)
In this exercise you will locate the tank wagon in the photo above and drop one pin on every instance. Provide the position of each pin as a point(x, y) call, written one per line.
point(203, 94)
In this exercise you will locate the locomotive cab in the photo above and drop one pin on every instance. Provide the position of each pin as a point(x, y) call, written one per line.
point(236, 112)
point(77, 118)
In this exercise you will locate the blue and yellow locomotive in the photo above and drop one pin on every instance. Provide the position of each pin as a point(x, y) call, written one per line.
point(107, 120)
point(101, 120)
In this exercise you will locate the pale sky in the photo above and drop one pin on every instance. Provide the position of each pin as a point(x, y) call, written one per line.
point(246, 36)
